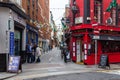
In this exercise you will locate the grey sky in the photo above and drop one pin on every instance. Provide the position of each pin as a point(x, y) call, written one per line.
point(58, 8)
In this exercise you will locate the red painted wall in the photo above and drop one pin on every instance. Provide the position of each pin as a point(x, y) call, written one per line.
point(80, 4)
point(113, 58)
point(92, 9)
point(105, 6)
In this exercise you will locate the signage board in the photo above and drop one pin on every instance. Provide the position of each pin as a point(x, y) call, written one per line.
point(104, 62)
point(78, 20)
point(96, 37)
point(11, 43)
point(14, 62)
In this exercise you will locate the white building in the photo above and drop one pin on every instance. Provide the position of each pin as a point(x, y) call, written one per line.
point(12, 32)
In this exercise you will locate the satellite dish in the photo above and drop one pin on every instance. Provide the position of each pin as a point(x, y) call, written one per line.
point(109, 21)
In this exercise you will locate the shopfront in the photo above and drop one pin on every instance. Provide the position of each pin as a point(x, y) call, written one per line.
point(82, 51)
point(87, 47)
point(32, 35)
point(18, 40)
point(106, 44)
point(12, 32)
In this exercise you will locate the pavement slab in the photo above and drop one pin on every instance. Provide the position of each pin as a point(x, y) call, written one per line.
point(4, 75)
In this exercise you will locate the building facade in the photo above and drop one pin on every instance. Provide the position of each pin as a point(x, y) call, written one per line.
point(45, 24)
point(13, 30)
point(95, 30)
point(38, 28)
point(25, 21)
point(31, 9)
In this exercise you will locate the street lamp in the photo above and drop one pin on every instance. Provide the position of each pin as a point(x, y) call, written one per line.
point(74, 11)
point(74, 8)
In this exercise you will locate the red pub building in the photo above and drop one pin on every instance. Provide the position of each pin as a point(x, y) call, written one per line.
point(95, 30)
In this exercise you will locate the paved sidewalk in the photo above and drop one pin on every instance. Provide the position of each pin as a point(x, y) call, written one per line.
point(4, 75)
point(53, 68)
point(42, 71)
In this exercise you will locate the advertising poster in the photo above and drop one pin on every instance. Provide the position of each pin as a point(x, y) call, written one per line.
point(14, 62)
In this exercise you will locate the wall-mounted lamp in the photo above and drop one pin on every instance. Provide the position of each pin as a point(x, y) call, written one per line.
point(74, 8)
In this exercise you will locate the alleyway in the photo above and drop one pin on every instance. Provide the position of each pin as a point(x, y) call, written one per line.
point(52, 56)
point(52, 62)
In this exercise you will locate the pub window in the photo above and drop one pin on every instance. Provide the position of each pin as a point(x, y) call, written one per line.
point(119, 15)
point(110, 46)
point(98, 11)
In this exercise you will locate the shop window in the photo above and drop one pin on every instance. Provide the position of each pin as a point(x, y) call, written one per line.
point(113, 16)
point(98, 11)
point(28, 7)
point(32, 37)
point(110, 46)
point(118, 16)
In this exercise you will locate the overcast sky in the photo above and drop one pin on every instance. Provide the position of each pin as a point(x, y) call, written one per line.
point(58, 8)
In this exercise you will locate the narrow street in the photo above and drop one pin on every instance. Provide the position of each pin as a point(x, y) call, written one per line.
point(52, 65)
point(52, 56)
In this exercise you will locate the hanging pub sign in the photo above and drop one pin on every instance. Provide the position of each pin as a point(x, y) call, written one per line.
point(14, 63)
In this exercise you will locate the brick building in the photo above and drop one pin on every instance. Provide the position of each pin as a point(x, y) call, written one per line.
point(38, 11)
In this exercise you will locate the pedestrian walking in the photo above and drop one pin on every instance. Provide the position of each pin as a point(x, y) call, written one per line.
point(29, 53)
point(65, 48)
point(33, 52)
point(38, 54)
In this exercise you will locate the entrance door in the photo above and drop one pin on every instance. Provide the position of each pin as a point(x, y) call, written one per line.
point(79, 50)
point(17, 42)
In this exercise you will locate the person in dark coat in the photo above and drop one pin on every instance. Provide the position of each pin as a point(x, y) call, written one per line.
point(33, 52)
point(29, 52)
point(65, 48)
